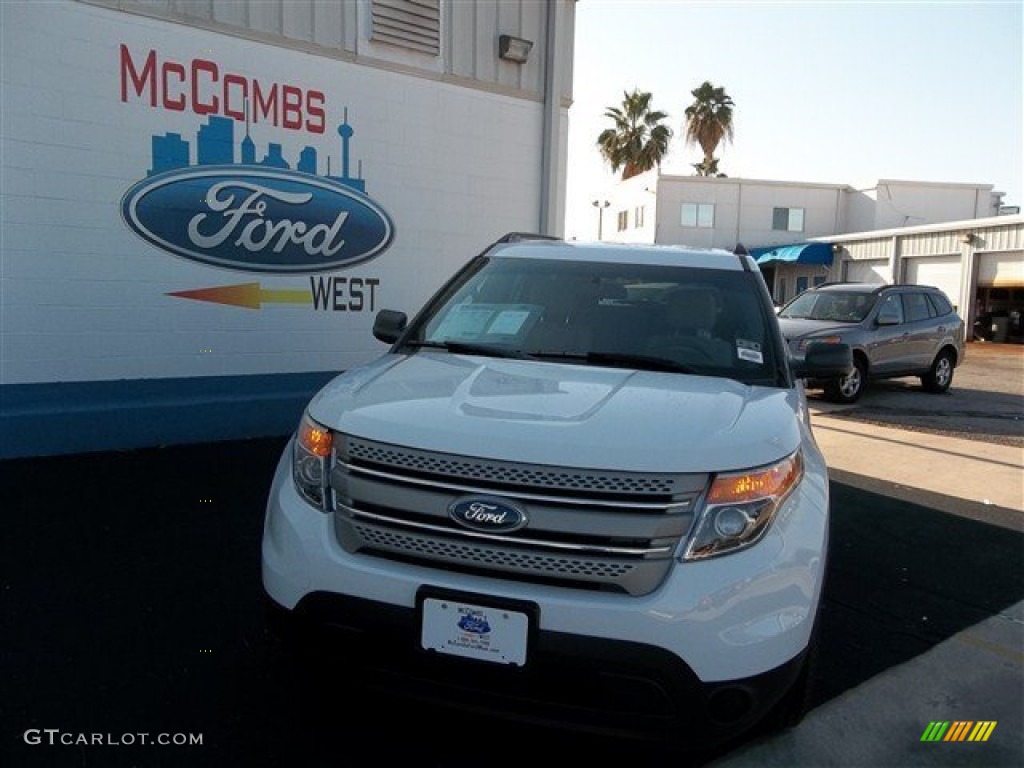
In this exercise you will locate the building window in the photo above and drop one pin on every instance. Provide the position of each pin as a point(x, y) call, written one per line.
point(414, 24)
point(801, 284)
point(698, 215)
point(623, 220)
point(780, 297)
point(788, 219)
point(638, 217)
point(819, 279)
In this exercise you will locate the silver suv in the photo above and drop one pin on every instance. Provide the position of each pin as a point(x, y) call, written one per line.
point(893, 330)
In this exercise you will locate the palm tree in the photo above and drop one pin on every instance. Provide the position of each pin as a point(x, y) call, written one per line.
point(639, 141)
point(704, 168)
point(708, 121)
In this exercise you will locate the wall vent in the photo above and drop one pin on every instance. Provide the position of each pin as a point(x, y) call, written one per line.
point(414, 24)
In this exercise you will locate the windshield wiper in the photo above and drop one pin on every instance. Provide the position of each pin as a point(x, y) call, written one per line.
point(647, 362)
point(471, 348)
point(639, 361)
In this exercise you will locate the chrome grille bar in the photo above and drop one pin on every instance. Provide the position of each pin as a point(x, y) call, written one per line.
point(668, 507)
point(509, 473)
point(517, 540)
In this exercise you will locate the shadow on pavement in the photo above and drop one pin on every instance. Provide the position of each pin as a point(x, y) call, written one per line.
point(131, 603)
point(1001, 415)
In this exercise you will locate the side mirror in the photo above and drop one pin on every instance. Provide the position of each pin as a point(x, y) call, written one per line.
point(388, 325)
point(887, 319)
point(824, 361)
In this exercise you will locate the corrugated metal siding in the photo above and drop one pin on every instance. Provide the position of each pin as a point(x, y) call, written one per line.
point(463, 33)
point(334, 25)
point(478, 60)
point(1009, 238)
point(930, 244)
point(414, 24)
point(869, 249)
point(330, 24)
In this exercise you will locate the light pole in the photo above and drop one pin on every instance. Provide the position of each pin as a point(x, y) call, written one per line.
point(600, 205)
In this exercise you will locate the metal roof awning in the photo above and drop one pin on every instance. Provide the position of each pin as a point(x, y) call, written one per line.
point(797, 253)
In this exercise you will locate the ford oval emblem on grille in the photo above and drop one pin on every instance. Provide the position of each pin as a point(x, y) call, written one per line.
point(487, 513)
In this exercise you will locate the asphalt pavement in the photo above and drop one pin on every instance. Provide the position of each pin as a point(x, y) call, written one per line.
point(962, 481)
point(130, 603)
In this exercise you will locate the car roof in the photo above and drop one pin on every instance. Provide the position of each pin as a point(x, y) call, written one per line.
point(849, 287)
point(629, 253)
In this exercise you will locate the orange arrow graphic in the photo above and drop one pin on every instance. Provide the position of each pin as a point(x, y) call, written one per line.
point(248, 295)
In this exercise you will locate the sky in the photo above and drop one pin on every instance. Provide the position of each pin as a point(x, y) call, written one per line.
point(832, 92)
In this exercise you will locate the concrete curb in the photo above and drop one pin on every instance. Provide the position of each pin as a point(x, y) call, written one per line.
point(975, 675)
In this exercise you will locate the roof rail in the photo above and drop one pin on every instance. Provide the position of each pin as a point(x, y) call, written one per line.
point(876, 287)
point(740, 251)
point(515, 237)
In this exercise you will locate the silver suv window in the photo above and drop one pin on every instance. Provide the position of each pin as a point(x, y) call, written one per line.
point(891, 310)
point(941, 303)
point(838, 306)
point(916, 307)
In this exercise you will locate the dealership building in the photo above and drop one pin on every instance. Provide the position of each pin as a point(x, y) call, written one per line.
point(958, 237)
point(205, 204)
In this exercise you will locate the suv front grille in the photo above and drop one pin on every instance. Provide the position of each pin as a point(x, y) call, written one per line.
point(492, 557)
point(594, 529)
point(509, 473)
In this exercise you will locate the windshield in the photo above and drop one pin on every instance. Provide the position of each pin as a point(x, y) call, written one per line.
point(837, 306)
point(664, 318)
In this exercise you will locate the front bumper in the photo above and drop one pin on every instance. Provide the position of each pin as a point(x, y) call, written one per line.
point(728, 629)
point(609, 687)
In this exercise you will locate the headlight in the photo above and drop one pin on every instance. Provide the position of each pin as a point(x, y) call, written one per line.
point(740, 506)
point(311, 462)
point(819, 339)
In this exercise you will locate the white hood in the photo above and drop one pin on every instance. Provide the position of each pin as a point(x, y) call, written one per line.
point(558, 414)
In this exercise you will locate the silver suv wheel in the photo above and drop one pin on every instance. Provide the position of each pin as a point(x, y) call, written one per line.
point(848, 388)
point(850, 385)
point(940, 376)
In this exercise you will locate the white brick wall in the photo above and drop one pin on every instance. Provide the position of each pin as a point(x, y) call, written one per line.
point(83, 298)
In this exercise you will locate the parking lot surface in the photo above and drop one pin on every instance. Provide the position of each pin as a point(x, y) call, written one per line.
point(131, 603)
point(985, 402)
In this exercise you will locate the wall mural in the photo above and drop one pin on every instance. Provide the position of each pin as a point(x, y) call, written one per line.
point(237, 206)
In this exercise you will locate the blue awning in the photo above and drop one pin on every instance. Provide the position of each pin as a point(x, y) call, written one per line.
point(797, 253)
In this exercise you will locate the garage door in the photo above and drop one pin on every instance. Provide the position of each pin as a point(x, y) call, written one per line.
point(941, 271)
point(1001, 269)
point(867, 271)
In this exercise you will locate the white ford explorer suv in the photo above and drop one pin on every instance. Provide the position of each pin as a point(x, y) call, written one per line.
point(580, 486)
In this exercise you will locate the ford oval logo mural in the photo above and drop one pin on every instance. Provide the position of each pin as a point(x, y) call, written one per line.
point(256, 219)
point(486, 513)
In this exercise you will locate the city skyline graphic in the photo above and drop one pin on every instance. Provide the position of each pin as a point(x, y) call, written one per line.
point(215, 145)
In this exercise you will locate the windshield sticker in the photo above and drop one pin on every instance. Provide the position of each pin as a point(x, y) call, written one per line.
point(749, 351)
point(509, 322)
point(463, 322)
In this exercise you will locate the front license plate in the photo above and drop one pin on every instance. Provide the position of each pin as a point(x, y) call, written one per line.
point(474, 631)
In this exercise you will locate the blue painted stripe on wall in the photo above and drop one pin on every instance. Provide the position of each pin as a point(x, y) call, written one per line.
point(79, 417)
